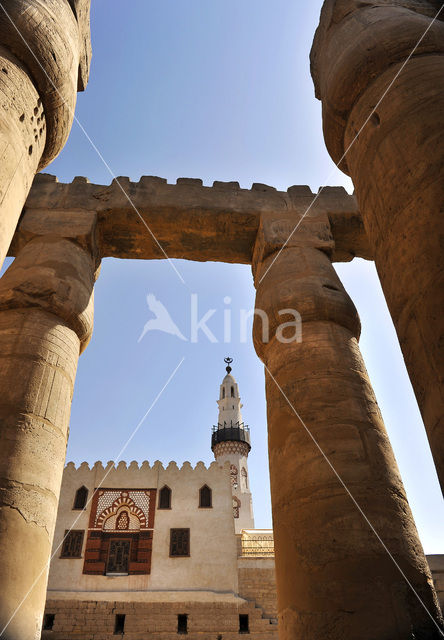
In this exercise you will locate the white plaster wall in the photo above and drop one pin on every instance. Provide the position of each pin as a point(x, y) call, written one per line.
point(212, 564)
point(246, 516)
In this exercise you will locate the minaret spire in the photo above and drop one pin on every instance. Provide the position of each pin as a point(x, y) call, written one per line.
point(231, 442)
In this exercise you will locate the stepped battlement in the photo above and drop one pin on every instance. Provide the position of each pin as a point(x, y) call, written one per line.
point(134, 466)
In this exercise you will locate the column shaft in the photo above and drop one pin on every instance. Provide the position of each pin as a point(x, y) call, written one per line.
point(359, 63)
point(44, 60)
point(335, 580)
point(46, 312)
point(22, 140)
point(402, 204)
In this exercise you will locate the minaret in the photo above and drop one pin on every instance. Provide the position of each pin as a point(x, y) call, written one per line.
point(231, 442)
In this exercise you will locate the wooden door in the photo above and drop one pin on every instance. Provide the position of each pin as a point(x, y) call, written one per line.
point(118, 556)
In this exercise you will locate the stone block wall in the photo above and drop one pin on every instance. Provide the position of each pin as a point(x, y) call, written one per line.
point(257, 583)
point(436, 564)
point(95, 620)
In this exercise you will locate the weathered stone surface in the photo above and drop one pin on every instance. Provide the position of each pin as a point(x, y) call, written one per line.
point(189, 220)
point(396, 163)
point(213, 618)
point(46, 316)
point(52, 44)
point(334, 577)
point(43, 52)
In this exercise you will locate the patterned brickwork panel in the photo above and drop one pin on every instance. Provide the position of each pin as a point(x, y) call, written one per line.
point(120, 512)
point(108, 503)
point(179, 542)
point(236, 507)
point(72, 544)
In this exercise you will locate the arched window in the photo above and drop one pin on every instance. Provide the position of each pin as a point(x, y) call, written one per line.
point(233, 475)
point(223, 392)
point(232, 392)
point(165, 498)
point(81, 498)
point(236, 507)
point(205, 497)
point(122, 521)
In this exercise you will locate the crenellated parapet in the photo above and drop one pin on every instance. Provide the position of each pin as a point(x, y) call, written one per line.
point(134, 466)
point(151, 218)
point(143, 475)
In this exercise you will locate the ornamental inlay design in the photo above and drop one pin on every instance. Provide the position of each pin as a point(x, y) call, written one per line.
point(233, 476)
point(236, 507)
point(222, 448)
point(120, 532)
point(112, 503)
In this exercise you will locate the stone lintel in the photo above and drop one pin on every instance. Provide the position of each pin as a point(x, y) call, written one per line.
point(188, 220)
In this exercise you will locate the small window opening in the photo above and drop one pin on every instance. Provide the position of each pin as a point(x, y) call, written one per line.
point(165, 498)
point(119, 625)
point(179, 542)
point(223, 392)
point(48, 621)
point(243, 623)
point(205, 497)
point(182, 623)
point(72, 544)
point(232, 392)
point(80, 499)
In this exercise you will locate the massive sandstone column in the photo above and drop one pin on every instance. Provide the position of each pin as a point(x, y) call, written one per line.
point(46, 318)
point(396, 164)
point(44, 61)
point(335, 580)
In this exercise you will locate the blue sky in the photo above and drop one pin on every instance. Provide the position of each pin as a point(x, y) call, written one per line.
point(218, 90)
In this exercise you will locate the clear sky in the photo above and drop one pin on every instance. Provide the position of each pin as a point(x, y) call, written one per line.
point(218, 90)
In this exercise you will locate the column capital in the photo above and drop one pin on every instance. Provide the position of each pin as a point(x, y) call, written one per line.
point(76, 225)
point(52, 40)
point(355, 43)
point(55, 270)
point(288, 231)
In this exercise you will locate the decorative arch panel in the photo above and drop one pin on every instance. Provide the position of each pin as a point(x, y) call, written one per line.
point(120, 516)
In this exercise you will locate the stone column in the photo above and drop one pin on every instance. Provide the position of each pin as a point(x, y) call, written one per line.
point(335, 580)
point(44, 60)
point(46, 319)
point(396, 164)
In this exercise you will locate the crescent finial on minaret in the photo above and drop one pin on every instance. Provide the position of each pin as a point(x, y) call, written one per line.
point(228, 361)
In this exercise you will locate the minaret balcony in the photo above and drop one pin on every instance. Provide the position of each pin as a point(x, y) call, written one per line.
point(229, 432)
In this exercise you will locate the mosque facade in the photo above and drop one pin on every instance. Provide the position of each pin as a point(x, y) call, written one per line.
point(154, 551)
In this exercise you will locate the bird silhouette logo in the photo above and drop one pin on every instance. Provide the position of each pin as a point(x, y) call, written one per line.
point(162, 321)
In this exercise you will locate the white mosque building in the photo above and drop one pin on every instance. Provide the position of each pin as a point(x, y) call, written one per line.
point(153, 551)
